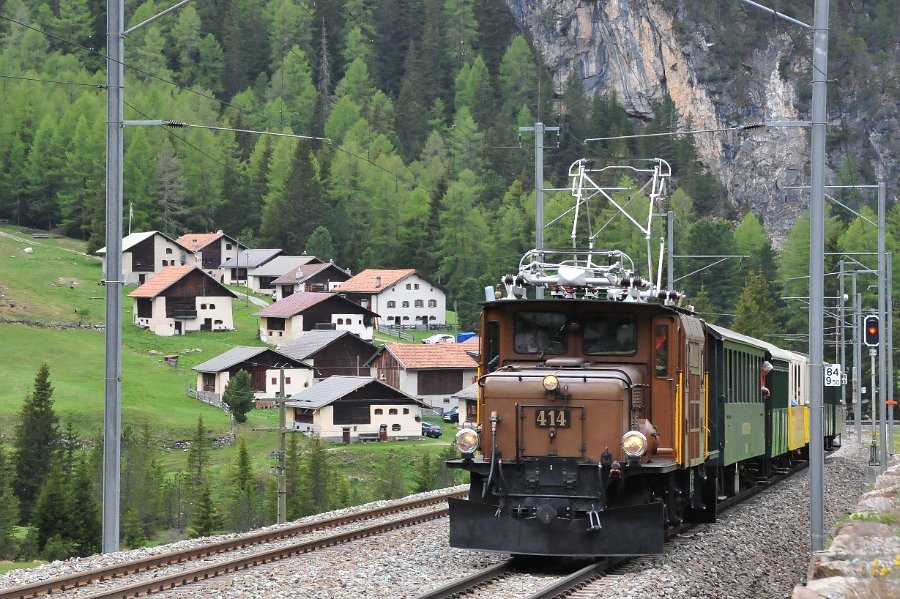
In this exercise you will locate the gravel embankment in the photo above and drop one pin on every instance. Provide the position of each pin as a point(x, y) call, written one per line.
point(759, 550)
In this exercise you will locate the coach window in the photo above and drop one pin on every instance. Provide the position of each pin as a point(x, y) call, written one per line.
point(661, 345)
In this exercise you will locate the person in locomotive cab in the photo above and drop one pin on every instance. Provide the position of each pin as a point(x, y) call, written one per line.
point(764, 369)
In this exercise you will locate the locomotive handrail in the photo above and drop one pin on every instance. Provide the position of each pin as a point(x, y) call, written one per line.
point(597, 374)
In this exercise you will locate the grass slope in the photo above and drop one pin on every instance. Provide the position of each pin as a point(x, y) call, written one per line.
point(48, 285)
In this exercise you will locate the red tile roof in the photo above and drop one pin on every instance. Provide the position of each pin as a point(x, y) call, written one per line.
point(162, 281)
point(443, 355)
point(367, 280)
point(198, 241)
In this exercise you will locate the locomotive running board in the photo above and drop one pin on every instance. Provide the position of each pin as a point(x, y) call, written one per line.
point(635, 530)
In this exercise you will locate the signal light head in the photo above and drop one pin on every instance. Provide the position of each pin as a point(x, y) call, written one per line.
point(871, 330)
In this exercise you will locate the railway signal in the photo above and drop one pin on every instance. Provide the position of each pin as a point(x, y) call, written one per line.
point(871, 330)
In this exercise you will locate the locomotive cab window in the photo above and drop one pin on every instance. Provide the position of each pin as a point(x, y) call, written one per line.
point(661, 348)
point(541, 333)
point(610, 334)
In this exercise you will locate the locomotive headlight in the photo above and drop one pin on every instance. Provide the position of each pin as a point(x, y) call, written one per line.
point(551, 383)
point(467, 441)
point(634, 443)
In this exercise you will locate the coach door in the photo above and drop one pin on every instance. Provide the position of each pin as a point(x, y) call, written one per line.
point(693, 397)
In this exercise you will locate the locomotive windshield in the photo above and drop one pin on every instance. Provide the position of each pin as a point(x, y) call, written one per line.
point(541, 333)
point(610, 334)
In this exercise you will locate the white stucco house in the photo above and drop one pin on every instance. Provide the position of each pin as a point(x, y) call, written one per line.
point(211, 250)
point(402, 298)
point(264, 367)
point(289, 318)
point(147, 253)
point(355, 408)
point(181, 299)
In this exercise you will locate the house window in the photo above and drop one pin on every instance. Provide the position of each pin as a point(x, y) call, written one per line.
point(379, 411)
point(287, 380)
point(406, 410)
point(406, 304)
point(340, 321)
point(203, 306)
point(390, 318)
point(217, 321)
point(274, 381)
point(168, 250)
point(392, 411)
point(432, 303)
point(391, 304)
point(409, 285)
point(406, 318)
point(227, 246)
point(420, 303)
point(395, 427)
point(212, 306)
point(165, 262)
point(416, 286)
point(274, 324)
point(431, 318)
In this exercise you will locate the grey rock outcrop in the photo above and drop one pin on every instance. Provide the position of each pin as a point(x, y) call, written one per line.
point(642, 49)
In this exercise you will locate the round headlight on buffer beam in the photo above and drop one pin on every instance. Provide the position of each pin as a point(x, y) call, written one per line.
point(634, 443)
point(467, 441)
point(551, 383)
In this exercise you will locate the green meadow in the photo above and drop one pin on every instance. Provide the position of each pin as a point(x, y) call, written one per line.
point(57, 284)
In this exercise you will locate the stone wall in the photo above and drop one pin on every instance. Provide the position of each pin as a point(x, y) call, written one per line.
point(864, 558)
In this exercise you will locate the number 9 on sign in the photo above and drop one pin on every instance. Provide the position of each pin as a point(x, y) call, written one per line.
point(832, 375)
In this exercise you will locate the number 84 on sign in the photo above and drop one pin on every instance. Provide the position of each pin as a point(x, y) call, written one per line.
point(833, 376)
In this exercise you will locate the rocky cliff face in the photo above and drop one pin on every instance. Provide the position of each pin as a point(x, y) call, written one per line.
point(641, 49)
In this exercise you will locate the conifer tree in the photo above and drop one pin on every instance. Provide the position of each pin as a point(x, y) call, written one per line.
point(297, 491)
point(132, 532)
point(205, 519)
point(238, 395)
point(318, 473)
point(389, 481)
point(84, 509)
point(52, 511)
point(37, 440)
point(198, 453)
point(244, 505)
point(425, 473)
point(9, 508)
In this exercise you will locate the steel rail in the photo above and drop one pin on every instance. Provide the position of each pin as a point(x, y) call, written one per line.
point(465, 585)
point(64, 583)
point(172, 581)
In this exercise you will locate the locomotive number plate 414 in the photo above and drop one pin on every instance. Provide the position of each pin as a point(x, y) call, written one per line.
point(548, 418)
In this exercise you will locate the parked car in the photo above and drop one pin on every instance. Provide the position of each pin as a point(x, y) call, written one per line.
point(431, 430)
point(451, 415)
point(440, 338)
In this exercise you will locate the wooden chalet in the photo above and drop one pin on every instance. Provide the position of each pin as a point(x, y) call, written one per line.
point(147, 253)
point(291, 317)
point(355, 408)
point(430, 372)
point(181, 299)
point(332, 353)
point(309, 277)
point(264, 367)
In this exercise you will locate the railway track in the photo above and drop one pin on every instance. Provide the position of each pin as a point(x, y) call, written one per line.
point(589, 580)
point(233, 564)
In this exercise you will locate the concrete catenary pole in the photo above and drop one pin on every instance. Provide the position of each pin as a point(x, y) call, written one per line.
point(889, 350)
point(538, 130)
point(112, 405)
point(857, 363)
point(882, 338)
point(816, 275)
point(282, 428)
point(670, 248)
